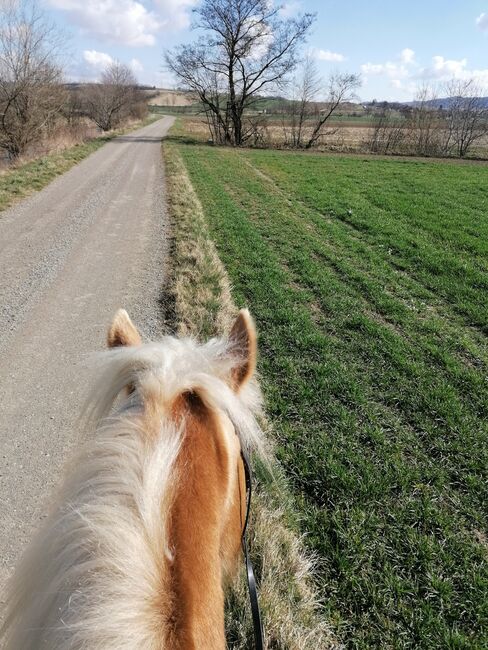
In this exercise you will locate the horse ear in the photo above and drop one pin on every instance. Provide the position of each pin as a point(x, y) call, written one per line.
point(122, 331)
point(243, 341)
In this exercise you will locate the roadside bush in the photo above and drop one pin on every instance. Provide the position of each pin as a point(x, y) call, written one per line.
point(115, 99)
point(31, 91)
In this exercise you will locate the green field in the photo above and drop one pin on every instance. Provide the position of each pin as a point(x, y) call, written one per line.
point(368, 280)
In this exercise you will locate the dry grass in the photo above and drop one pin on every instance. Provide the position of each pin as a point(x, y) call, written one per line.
point(203, 306)
point(33, 171)
point(200, 287)
point(340, 137)
point(289, 600)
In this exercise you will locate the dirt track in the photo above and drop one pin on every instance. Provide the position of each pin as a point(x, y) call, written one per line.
point(92, 241)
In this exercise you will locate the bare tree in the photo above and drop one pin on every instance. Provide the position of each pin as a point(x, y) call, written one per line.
point(214, 108)
point(247, 49)
point(31, 94)
point(305, 90)
point(388, 133)
point(466, 117)
point(424, 123)
point(341, 89)
point(73, 109)
point(109, 102)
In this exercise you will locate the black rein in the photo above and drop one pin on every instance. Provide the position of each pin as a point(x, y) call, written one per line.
point(251, 580)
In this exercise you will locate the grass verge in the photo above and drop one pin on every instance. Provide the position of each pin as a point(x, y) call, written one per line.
point(204, 307)
point(24, 179)
point(369, 281)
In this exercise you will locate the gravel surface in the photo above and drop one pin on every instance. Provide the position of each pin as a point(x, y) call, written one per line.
point(94, 240)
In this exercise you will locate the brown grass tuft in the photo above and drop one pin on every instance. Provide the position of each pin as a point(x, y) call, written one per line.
point(292, 615)
point(199, 285)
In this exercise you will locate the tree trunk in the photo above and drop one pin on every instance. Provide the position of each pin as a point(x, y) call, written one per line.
point(235, 114)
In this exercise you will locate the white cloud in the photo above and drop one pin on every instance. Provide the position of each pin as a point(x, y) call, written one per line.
point(442, 68)
point(93, 63)
point(97, 61)
point(407, 68)
point(394, 70)
point(407, 55)
point(482, 22)
point(88, 66)
point(327, 55)
point(388, 69)
point(481, 77)
point(175, 14)
point(119, 21)
point(373, 68)
point(136, 66)
point(127, 22)
point(405, 73)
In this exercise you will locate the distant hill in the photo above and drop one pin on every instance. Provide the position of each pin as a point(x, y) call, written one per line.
point(445, 102)
point(263, 104)
point(167, 97)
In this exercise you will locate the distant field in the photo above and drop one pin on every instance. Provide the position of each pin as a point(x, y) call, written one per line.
point(368, 279)
point(270, 117)
point(172, 98)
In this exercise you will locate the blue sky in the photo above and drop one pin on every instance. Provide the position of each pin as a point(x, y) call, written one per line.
point(396, 46)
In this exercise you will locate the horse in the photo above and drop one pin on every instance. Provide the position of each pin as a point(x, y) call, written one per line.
point(145, 533)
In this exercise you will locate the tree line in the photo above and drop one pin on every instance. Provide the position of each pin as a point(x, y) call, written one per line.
point(431, 126)
point(34, 99)
point(248, 49)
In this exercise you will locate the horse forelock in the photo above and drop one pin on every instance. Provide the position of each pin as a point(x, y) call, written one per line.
point(161, 372)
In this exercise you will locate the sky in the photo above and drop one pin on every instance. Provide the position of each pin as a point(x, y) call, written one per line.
point(396, 46)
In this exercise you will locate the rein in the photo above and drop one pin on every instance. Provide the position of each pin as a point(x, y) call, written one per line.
point(251, 580)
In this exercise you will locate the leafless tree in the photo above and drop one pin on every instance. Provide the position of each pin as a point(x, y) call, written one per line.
point(214, 109)
point(109, 102)
point(31, 94)
point(466, 117)
point(248, 48)
point(341, 88)
point(73, 109)
point(389, 133)
point(424, 123)
point(305, 90)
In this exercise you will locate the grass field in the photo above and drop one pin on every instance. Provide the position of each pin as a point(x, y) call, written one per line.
point(198, 302)
point(368, 280)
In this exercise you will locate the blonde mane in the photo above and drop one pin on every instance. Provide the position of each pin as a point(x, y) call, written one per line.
point(95, 576)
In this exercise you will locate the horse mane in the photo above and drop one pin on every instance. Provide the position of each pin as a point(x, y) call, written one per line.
point(96, 575)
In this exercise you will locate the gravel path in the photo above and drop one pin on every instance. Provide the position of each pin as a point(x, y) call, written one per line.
point(92, 241)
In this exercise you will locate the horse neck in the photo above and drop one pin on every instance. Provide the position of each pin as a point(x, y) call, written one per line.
point(204, 529)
